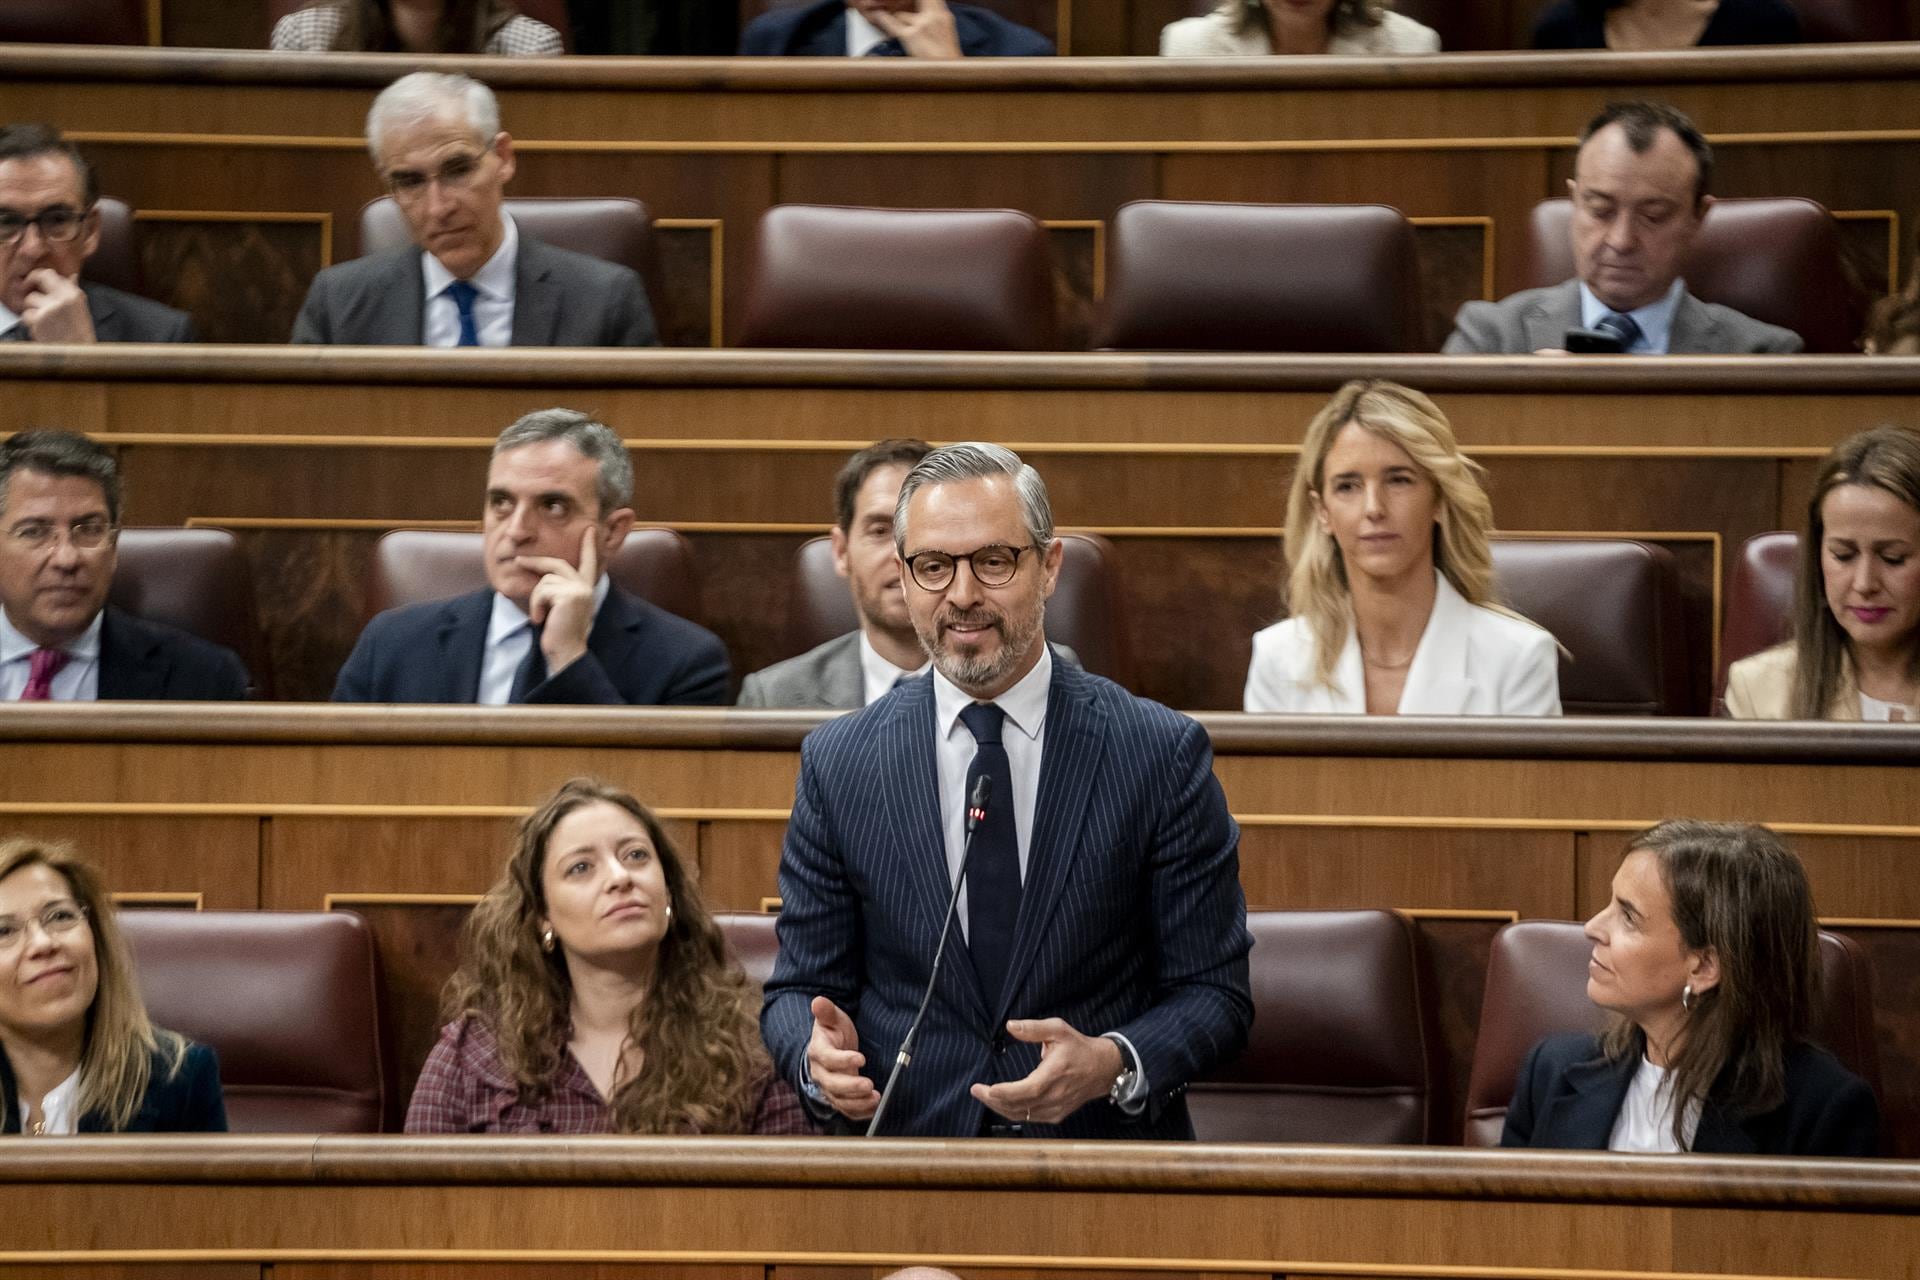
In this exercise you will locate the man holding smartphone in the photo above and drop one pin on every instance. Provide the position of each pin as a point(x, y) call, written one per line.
point(890, 28)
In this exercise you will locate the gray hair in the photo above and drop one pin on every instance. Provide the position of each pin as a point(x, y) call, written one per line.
point(60, 453)
point(593, 439)
point(432, 95)
point(974, 460)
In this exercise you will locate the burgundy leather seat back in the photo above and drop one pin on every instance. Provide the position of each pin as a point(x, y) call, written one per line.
point(1195, 276)
point(900, 279)
point(411, 566)
point(551, 12)
point(1087, 612)
point(74, 21)
point(1343, 1042)
point(1759, 598)
point(197, 580)
point(751, 939)
point(1035, 15)
point(1537, 986)
point(1834, 21)
point(290, 1000)
point(116, 263)
point(1614, 606)
point(1777, 260)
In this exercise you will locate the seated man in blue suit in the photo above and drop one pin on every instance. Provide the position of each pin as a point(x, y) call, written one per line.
point(890, 28)
point(60, 641)
point(1100, 957)
point(550, 626)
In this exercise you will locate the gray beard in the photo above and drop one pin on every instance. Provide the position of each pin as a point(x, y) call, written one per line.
point(972, 674)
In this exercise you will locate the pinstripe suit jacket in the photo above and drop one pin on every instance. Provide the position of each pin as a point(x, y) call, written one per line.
point(1131, 918)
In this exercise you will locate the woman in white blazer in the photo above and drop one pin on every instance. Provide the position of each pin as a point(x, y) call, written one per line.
point(1390, 580)
point(1255, 28)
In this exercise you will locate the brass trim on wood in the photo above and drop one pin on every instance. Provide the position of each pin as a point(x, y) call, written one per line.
point(1487, 230)
point(192, 901)
point(716, 268)
point(156, 26)
point(770, 906)
point(325, 221)
point(1866, 922)
point(1099, 228)
point(1892, 217)
point(1504, 915)
point(334, 901)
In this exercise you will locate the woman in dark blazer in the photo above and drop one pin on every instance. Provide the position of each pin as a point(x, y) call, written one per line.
point(1708, 958)
point(1643, 25)
point(77, 1052)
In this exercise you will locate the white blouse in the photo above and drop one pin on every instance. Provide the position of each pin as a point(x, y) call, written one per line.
point(1645, 1122)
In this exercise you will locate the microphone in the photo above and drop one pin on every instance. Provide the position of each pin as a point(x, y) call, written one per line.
point(976, 813)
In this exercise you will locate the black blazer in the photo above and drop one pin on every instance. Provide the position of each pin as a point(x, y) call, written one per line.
point(189, 1101)
point(1568, 1095)
point(1582, 24)
point(125, 317)
point(637, 654)
point(140, 659)
point(820, 30)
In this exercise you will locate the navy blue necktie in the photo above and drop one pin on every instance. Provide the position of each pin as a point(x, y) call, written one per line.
point(463, 295)
point(532, 671)
point(888, 48)
point(993, 874)
point(1623, 327)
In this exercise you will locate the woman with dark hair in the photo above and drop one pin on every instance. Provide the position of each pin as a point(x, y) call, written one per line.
point(77, 1053)
point(596, 996)
point(1708, 959)
point(1246, 28)
point(1855, 652)
point(1630, 26)
point(414, 26)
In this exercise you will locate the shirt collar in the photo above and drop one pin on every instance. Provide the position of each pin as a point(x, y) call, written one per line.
point(509, 617)
point(1655, 319)
point(7, 318)
point(494, 279)
point(877, 670)
point(862, 35)
point(15, 646)
point(1025, 703)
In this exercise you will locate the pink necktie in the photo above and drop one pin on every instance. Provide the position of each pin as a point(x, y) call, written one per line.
point(41, 669)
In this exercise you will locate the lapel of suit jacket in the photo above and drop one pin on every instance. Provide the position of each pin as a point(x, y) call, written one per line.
point(105, 316)
point(614, 635)
point(126, 670)
point(1076, 740)
point(910, 781)
point(1438, 683)
point(1582, 1119)
point(1546, 324)
point(536, 299)
point(1694, 329)
point(462, 635)
point(402, 320)
point(842, 682)
point(819, 38)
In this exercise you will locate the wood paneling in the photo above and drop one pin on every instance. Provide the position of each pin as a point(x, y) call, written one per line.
point(217, 856)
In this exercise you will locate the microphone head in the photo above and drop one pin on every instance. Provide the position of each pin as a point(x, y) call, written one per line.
point(982, 792)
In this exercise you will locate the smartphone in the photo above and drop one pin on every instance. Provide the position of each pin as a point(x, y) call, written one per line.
point(1592, 342)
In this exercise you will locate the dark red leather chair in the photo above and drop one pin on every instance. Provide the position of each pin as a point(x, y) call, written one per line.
point(415, 565)
point(751, 940)
point(1087, 612)
point(1777, 260)
point(1614, 606)
point(1759, 599)
point(1835, 21)
point(551, 12)
point(74, 21)
point(116, 263)
point(900, 279)
point(197, 580)
point(1537, 986)
point(1343, 1042)
point(1035, 15)
point(290, 1000)
point(1195, 276)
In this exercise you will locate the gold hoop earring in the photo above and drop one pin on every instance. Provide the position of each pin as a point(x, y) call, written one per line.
point(546, 939)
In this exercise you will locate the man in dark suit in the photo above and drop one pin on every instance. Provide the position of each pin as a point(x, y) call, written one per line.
point(1639, 191)
point(1100, 957)
point(890, 28)
point(550, 627)
point(49, 227)
point(59, 639)
point(474, 278)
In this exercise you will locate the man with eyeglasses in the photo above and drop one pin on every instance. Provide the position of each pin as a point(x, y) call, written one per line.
point(1100, 957)
point(472, 278)
point(49, 227)
point(60, 640)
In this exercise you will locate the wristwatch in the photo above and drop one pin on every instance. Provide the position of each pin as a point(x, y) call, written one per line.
point(1122, 1086)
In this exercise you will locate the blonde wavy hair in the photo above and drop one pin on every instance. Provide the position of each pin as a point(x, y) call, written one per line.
point(116, 1064)
point(1316, 587)
point(697, 1029)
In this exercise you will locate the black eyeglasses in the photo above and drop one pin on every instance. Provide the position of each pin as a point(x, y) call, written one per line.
point(57, 225)
point(38, 535)
point(992, 566)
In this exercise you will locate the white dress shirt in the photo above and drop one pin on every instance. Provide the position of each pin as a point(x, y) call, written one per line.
point(861, 34)
point(877, 675)
point(7, 319)
point(60, 1109)
point(509, 639)
point(78, 681)
point(1655, 319)
point(1645, 1122)
point(492, 305)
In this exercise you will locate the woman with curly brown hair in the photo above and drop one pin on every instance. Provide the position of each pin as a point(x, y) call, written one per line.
point(1246, 28)
point(596, 995)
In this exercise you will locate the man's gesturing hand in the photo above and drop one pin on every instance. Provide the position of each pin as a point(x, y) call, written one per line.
point(56, 308)
point(1073, 1071)
point(926, 32)
point(562, 601)
point(834, 1061)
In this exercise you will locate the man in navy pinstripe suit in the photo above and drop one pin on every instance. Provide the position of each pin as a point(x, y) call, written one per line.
point(1104, 957)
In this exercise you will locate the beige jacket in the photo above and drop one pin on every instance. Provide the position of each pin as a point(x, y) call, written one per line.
point(1761, 688)
point(1211, 35)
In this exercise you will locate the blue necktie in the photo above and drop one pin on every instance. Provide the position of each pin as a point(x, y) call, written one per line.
point(532, 671)
point(1623, 327)
point(463, 295)
point(993, 874)
point(888, 48)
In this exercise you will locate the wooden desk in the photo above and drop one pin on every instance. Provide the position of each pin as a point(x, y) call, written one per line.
point(360, 1207)
point(250, 169)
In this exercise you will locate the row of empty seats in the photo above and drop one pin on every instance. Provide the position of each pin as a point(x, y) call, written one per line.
point(1344, 1046)
point(1180, 275)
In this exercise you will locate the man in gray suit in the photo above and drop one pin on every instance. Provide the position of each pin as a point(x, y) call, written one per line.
point(1639, 191)
point(860, 667)
point(474, 279)
point(49, 227)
